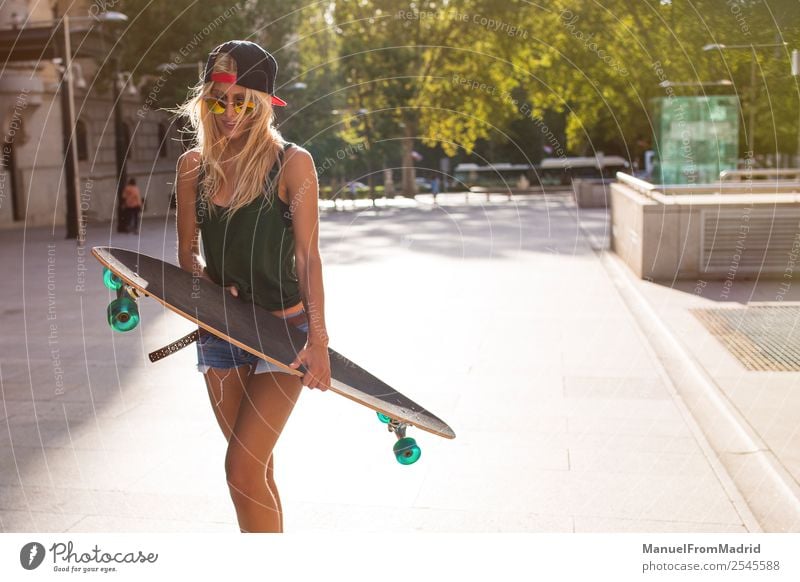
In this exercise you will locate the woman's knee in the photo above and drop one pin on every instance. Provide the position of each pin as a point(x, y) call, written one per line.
point(245, 475)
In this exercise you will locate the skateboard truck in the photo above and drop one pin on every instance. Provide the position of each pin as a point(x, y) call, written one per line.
point(122, 313)
point(406, 450)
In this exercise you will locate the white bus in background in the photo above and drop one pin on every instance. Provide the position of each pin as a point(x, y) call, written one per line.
point(502, 175)
point(564, 170)
point(552, 171)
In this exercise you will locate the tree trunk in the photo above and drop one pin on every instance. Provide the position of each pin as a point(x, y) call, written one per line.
point(408, 186)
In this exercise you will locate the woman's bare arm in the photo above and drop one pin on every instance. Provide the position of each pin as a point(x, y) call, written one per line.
point(188, 233)
point(303, 191)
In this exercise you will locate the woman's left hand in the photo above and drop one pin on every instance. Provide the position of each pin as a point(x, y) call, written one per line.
point(317, 363)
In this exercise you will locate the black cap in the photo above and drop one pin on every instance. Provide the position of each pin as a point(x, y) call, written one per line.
point(255, 67)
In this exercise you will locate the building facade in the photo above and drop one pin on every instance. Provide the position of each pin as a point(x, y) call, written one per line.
point(32, 170)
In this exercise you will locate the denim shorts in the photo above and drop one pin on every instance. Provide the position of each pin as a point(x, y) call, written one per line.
point(215, 352)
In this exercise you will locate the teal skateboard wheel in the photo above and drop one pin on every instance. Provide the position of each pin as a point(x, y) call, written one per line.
point(123, 314)
point(110, 280)
point(383, 418)
point(406, 451)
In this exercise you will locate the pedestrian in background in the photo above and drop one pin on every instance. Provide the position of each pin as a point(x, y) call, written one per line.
point(131, 206)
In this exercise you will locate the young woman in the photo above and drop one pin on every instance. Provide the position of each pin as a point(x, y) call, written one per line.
point(251, 198)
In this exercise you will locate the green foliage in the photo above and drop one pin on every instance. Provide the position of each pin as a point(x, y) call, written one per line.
point(458, 74)
point(607, 60)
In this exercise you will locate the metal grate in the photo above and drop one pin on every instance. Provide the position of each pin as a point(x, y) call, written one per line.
point(761, 337)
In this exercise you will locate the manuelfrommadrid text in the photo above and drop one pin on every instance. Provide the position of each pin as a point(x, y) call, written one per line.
point(693, 549)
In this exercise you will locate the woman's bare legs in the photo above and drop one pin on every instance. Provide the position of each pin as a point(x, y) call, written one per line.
point(265, 407)
point(274, 488)
point(225, 390)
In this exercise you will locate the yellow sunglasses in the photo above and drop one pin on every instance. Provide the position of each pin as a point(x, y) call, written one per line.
point(218, 106)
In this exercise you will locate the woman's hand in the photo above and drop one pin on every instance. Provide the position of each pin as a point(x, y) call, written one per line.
point(317, 363)
point(234, 290)
point(204, 275)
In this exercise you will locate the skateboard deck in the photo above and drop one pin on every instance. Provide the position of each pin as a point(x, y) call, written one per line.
point(255, 330)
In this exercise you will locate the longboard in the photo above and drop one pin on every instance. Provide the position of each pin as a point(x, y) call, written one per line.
point(255, 330)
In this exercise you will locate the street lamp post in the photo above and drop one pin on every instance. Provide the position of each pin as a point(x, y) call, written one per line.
point(76, 227)
point(751, 120)
point(75, 221)
point(796, 73)
point(120, 147)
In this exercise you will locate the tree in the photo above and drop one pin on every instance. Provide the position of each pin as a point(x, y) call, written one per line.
point(407, 64)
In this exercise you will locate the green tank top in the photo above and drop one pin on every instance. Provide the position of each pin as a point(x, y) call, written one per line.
point(254, 249)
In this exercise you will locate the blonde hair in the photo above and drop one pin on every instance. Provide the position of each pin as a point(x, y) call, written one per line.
point(261, 149)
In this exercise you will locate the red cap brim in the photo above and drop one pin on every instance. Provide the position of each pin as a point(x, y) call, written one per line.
point(223, 77)
point(231, 78)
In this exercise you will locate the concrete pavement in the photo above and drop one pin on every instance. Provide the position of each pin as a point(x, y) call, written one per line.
point(499, 316)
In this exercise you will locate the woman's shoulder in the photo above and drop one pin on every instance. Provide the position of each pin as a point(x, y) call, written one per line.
point(190, 165)
point(189, 161)
point(192, 155)
point(295, 156)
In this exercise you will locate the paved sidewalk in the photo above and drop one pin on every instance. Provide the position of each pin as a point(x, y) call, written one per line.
point(751, 416)
point(498, 316)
